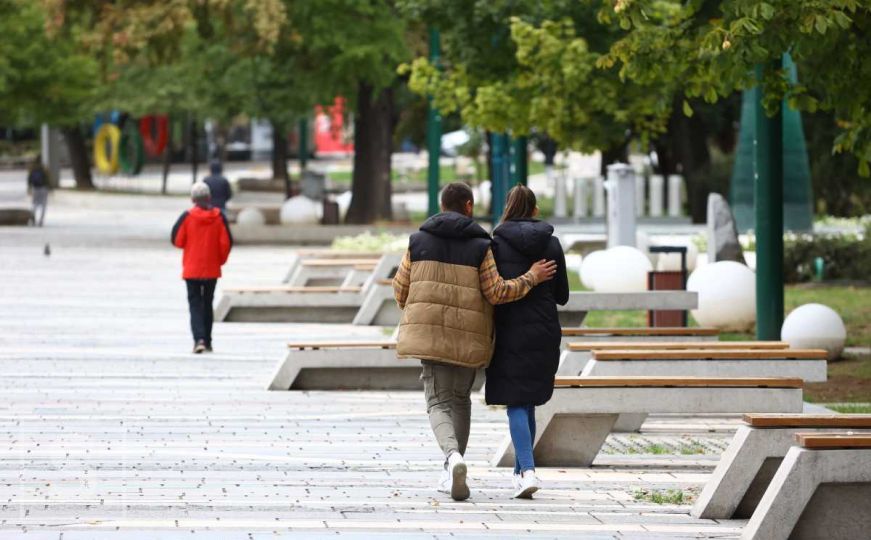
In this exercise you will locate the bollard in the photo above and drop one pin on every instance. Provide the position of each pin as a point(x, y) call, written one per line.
point(582, 192)
point(560, 195)
point(598, 197)
point(640, 182)
point(621, 205)
point(656, 185)
point(675, 195)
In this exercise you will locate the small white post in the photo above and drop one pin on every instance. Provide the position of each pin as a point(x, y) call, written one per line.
point(598, 197)
point(50, 150)
point(582, 192)
point(621, 205)
point(560, 194)
point(656, 184)
point(640, 182)
point(675, 195)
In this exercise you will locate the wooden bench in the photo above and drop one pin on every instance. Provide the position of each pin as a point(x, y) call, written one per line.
point(574, 359)
point(301, 255)
point(358, 365)
point(713, 359)
point(574, 424)
point(756, 451)
point(575, 310)
point(302, 304)
point(822, 489)
point(646, 334)
point(333, 271)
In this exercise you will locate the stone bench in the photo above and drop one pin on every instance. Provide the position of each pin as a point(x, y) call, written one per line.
point(822, 489)
point(574, 424)
point(577, 354)
point(348, 366)
point(746, 468)
point(580, 302)
point(301, 304)
point(336, 272)
point(657, 333)
point(301, 255)
point(379, 306)
point(713, 359)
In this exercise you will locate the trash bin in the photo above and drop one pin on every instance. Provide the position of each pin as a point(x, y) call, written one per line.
point(331, 213)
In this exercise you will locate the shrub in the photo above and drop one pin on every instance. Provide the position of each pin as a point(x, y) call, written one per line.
point(846, 256)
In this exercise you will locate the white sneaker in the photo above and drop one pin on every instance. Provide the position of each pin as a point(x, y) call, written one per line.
point(444, 482)
point(527, 484)
point(515, 481)
point(457, 471)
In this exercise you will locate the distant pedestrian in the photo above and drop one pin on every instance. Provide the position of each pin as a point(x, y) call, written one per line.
point(204, 235)
point(38, 185)
point(218, 185)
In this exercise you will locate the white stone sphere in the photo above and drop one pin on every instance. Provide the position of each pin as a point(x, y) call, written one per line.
point(727, 295)
point(590, 268)
point(670, 262)
point(299, 210)
point(815, 326)
point(483, 196)
point(251, 216)
point(623, 269)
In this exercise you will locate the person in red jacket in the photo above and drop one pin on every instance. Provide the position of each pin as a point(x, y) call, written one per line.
point(204, 235)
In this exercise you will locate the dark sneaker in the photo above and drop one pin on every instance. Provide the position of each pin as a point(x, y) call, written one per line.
point(200, 347)
point(209, 348)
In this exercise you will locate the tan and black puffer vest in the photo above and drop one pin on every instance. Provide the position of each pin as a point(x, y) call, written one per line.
point(446, 318)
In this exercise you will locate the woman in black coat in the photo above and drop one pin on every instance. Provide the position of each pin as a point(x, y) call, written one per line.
point(528, 331)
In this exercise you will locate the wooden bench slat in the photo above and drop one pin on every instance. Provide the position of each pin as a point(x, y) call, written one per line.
point(338, 262)
point(630, 345)
point(833, 440)
point(711, 354)
point(653, 331)
point(385, 282)
point(726, 382)
point(345, 345)
point(292, 289)
point(336, 254)
point(808, 420)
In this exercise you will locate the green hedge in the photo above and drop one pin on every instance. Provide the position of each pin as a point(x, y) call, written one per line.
point(846, 256)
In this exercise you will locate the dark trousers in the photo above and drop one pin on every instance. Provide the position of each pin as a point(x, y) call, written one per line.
point(201, 292)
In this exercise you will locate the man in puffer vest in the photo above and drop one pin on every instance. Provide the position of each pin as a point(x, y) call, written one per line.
point(447, 285)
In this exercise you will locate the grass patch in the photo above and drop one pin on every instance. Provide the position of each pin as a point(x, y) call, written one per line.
point(656, 496)
point(692, 449)
point(652, 448)
point(851, 408)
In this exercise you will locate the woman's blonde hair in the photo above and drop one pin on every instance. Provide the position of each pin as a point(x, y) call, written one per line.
point(520, 203)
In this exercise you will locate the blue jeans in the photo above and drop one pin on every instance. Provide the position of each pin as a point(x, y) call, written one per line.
point(521, 424)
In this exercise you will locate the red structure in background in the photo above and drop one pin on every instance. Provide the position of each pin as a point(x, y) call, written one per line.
point(331, 134)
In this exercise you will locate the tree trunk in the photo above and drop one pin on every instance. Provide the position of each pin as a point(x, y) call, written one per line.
point(373, 145)
point(167, 161)
point(279, 156)
point(194, 142)
point(79, 161)
point(615, 154)
point(685, 151)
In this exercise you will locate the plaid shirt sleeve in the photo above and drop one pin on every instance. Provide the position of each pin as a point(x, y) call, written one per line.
point(402, 280)
point(501, 291)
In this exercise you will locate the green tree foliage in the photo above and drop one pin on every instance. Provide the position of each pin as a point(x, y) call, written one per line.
point(711, 49)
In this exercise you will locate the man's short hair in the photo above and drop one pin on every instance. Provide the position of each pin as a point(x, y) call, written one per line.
point(455, 196)
point(200, 193)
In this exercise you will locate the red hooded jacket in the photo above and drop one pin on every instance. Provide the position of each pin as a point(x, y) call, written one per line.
point(205, 237)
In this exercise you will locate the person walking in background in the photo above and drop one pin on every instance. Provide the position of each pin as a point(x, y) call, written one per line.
point(218, 185)
point(446, 285)
point(38, 185)
point(204, 235)
point(528, 331)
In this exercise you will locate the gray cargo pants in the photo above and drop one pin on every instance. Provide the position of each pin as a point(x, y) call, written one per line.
point(447, 390)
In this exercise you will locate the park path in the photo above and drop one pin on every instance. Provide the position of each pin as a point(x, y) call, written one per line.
point(110, 428)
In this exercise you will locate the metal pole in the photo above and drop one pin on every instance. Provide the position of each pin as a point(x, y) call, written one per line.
point(500, 175)
point(303, 144)
point(433, 132)
point(519, 162)
point(768, 196)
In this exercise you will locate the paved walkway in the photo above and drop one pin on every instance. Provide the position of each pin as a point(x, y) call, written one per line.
point(110, 428)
